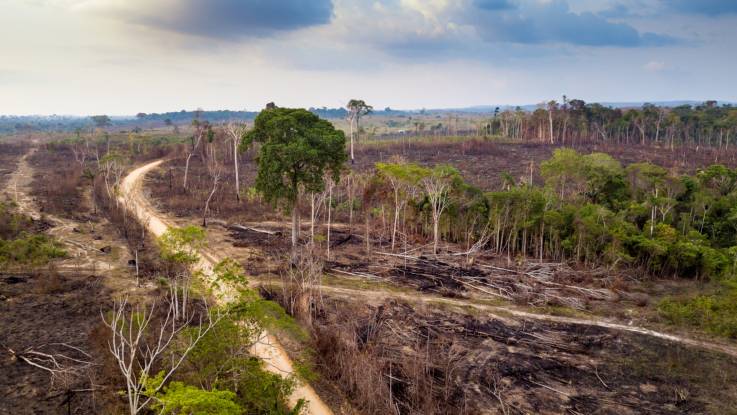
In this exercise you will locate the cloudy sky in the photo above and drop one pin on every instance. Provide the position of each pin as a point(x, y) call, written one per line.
point(127, 56)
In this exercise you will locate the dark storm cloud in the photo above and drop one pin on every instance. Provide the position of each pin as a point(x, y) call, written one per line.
point(707, 7)
point(554, 22)
point(237, 18)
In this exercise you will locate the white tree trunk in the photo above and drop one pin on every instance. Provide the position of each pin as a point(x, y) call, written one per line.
point(295, 223)
point(235, 165)
point(351, 124)
point(330, 202)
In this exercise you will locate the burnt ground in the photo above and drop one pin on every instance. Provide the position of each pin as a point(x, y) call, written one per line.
point(37, 312)
point(415, 359)
point(480, 161)
point(488, 278)
point(439, 359)
point(58, 183)
point(10, 153)
point(432, 361)
point(55, 309)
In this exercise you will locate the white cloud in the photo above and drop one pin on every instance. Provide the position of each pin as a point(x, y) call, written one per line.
point(655, 66)
point(94, 56)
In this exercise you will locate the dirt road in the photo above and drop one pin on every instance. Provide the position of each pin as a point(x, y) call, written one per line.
point(84, 251)
point(268, 348)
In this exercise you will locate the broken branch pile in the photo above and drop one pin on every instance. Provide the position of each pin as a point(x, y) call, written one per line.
point(543, 284)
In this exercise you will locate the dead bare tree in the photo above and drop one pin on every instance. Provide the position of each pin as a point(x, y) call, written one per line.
point(236, 131)
point(80, 154)
point(479, 245)
point(317, 200)
point(301, 283)
point(437, 187)
point(138, 341)
point(112, 172)
point(64, 363)
point(214, 169)
point(356, 109)
point(329, 184)
point(350, 188)
point(200, 129)
point(552, 107)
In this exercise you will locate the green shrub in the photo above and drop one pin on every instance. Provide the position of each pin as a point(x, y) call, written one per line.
point(30, 250)
point(178, 398)
point(715, 313)
point(222, 361)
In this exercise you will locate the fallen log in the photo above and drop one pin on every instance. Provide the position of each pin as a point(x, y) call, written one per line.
point(241, 228)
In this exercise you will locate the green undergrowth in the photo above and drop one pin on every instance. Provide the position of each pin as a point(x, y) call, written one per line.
point(221, 375)
point(19, 246)
point(715, 312)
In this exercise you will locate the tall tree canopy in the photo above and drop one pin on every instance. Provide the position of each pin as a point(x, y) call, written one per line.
point(357, 108)
point(297, 149)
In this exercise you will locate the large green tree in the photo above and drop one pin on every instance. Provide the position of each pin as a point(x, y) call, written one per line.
point(297, 150)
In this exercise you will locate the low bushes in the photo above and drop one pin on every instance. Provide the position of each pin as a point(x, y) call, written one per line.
point(716, 313)
point(18, 246)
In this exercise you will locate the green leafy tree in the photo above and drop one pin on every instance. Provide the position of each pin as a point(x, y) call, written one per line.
point(646, 182)
point(438, 185)
point(605, 180)
point(222, 361)
point(181, 245)
point(564, 172)
point(404, 179)
point(177, 398)
point(718, 179)
point(297, 149)
point(179, 248)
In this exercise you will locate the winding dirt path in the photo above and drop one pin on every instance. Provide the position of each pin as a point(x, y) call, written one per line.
point(84, 252)
point(267, 348)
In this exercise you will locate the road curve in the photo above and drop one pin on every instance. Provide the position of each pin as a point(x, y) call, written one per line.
point(267, 348)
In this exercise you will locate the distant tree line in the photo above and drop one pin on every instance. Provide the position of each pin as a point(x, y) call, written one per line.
point(10, 124)
point(575, 121)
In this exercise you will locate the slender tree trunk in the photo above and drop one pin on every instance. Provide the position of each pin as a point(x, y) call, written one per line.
point(207, 202)
point(352, 156)
point(330, 203)
point(295, 223)
point(186, 171)
point(436, 235)
point(368, 240)
point(312, 216)
point(235, 165)
point(396, 216)
point(189, 156)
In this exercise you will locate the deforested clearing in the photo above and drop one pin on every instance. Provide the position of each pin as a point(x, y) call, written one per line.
point(344, 207)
